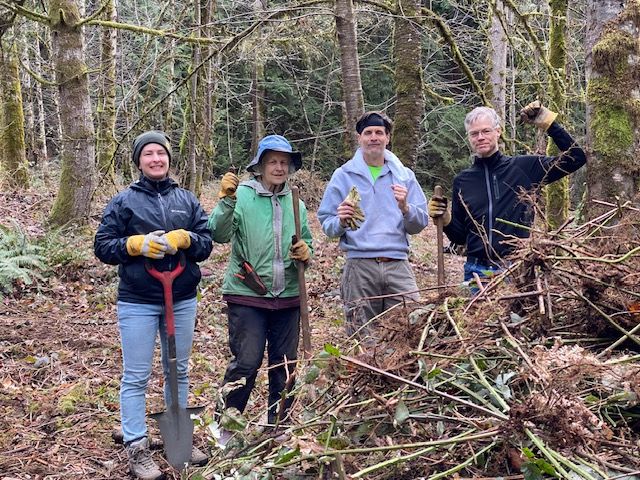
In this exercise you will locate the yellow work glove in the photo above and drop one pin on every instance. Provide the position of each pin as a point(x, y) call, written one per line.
point(228, 185)
point(300, 251)
point(177, 239)
point(437, 207)
point(536, 114)
point(152, 245)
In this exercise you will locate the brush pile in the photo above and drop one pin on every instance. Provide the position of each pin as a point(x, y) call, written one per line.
point(537, 376)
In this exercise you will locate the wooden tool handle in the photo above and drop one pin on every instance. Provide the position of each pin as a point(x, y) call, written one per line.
point(437, 192)
point(302, 286)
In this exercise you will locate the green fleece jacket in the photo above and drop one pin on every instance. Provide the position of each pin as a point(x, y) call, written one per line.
point(259, 224)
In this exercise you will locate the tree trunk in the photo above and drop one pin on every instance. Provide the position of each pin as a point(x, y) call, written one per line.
point(557, 194)
point(28, 103)
point(350, 66)
point(72, 204)
point(257, 103)
point(257, 87)
point(206, 85)
point(51, 105)
point(409, 109)
point(106, 144)
point(613, 96)
point(15, 166)
point(497, 60)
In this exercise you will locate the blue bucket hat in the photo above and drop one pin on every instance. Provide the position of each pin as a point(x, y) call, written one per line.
point(276, 143)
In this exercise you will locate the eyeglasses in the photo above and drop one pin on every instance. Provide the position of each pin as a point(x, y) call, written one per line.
point(476, 133)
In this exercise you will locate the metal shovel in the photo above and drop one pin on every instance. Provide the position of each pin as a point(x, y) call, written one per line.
point(176, 426)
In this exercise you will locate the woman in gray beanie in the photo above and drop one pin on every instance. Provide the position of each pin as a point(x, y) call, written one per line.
point(131, 232)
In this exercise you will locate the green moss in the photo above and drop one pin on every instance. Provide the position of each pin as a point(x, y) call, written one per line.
point(611, 53)
point(600, 91)
point(613, 130)
point(12, 131)
point(67, 403)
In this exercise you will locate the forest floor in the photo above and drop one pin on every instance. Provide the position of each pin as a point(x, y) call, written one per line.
point(60, 358)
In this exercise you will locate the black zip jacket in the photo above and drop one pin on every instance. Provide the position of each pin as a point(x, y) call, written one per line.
point(490, 189)
point(142, 208)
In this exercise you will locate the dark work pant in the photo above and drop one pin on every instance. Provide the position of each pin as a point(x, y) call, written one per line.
point(250, 330)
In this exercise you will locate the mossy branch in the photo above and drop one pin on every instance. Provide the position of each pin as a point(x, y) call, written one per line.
point(447, 36)
point(36, 77)
point(554, 74)
point(150, 31)
point(25, 12)
point(95, 14)
point(226, 47)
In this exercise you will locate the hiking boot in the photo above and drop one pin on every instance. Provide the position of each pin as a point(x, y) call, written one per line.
point(141, 464)
point(198, 457)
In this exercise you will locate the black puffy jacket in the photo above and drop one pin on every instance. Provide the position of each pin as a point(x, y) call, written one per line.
point(142, 208)
point(490, 189)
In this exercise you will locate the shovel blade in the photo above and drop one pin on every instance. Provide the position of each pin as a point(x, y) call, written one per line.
point(176, 429)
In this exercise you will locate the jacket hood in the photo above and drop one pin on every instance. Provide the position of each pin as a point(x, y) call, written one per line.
point(358, 165)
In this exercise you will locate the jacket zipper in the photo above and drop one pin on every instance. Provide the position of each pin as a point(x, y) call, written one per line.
point(490, 198)
point(164, 221)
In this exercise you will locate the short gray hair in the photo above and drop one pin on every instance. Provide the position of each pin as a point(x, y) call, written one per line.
point(481, 112)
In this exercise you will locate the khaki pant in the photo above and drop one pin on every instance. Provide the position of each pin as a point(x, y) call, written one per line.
point(368, 277)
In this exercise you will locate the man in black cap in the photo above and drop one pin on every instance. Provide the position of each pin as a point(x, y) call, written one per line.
point(374, 233)
point(132, 230)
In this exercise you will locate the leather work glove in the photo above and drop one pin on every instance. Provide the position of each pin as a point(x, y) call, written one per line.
point(538, 115)
point(177, 239)
point(437, 207)
point(228, 185)
point(152, 245)
point(300, 251)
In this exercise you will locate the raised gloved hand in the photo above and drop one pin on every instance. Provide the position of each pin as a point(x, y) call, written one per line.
point(300, 251)
point(177, 239)
point(152, 245)
point(538, 115)
point(437, 207)
point(228, 185)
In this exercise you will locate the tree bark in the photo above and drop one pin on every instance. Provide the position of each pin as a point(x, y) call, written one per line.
point(257, 89)
point(72, 204)
point(613, 96)
point(15, 166)
point(105, 142)
point(497, 59)
point(557, 196)
point(409, 110)
point(350, 66)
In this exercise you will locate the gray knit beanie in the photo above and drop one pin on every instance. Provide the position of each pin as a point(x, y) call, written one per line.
point(152, 136)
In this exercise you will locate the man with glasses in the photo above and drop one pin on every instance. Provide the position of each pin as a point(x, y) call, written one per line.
point(492, 188)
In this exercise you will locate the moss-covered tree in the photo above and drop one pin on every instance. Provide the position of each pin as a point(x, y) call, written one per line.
point(409, 109)
point(557, 194)
point(613, 101)
point(14, 166)
point(106, 108)
point(72, 204)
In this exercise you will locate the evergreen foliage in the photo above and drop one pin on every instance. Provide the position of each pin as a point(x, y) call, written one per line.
point(20, 260)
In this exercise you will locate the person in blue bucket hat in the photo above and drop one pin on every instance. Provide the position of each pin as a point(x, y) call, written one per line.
point(260, 283)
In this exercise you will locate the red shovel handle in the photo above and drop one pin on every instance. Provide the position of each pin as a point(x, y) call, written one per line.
point(166, 279)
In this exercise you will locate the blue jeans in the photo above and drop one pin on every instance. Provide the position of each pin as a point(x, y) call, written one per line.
point(139, 325)
point(483, 271)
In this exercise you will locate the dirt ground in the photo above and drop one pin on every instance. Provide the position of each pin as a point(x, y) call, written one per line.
point(60, 354)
